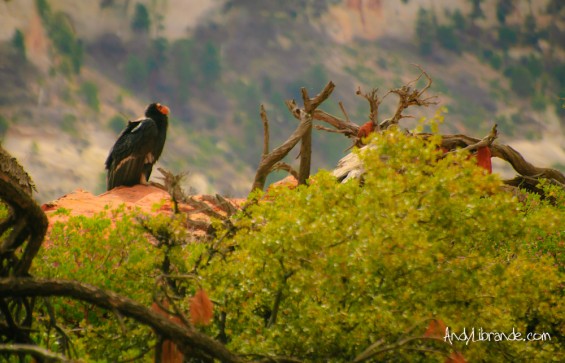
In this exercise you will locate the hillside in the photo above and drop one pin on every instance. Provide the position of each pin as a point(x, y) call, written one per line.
point(78, 70)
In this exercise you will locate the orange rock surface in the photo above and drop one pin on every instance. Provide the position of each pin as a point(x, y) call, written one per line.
point(139, 197)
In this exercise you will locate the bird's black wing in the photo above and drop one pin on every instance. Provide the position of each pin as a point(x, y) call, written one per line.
point(131, 155)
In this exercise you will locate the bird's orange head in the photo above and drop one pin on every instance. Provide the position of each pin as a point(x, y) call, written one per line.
point(163, 109)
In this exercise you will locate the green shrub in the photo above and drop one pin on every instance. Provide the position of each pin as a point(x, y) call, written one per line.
point(69, 124)
point(425, 24)
point(521, 80)
point(182, 57)
point(539, 102)
point(447, 38)
point(210, 65)
point(61, 33)
point(18, 42)
point(4, 125)
point(108, 251)
point(117, 123)
point(89, 91)
point(344, 266)
point(136, 72)
point(507, 37)
point(141, 21)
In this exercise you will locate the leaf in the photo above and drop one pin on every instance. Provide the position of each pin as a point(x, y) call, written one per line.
point(436, 329)
point(483, 158)
point(455, 357)
point(201, 308)
point(365, 130)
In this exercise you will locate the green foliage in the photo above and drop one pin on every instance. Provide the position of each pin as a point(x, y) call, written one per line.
point(539, 102)
point(117, 123)
point(344, 266)
point(558, 74)
point(44, 9)
point(141, 21)
point(507, 37)
point(210, 65)
point(89, 91)
point(108, 251)
point(316, 76)
point(447, 38)
point(458, 20)
point(157, 54)
point(503, 9)
point(4, 125)
point(136, 72)
point(530, 34)
point(534, 65)
point(554, 6)
point(476, 10)
point(425, 31)
point(34, 148)
point(18, 42)
point(69, 124)
point(521, 80)
point(494, 59)
point(62, 35)
point(181, 56)
point(559, 105)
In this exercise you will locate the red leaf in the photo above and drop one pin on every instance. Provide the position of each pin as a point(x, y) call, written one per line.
point(483, 158)
point(201, 308)
point(436, 329)
point(455, 357)
point(365, 130)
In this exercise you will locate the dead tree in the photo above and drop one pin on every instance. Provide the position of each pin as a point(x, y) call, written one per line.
point(527, 177)
point(21, 231)
point(302, 134)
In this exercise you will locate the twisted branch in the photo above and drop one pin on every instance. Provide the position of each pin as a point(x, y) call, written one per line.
point(183, 337)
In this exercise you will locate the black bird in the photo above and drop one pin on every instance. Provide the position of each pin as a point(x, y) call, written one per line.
point(138, 147)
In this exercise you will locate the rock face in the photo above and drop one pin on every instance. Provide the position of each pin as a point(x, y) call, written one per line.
point(81, 202)
point(139, 197)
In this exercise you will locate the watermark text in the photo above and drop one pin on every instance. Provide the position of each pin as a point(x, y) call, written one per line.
point(480, 335)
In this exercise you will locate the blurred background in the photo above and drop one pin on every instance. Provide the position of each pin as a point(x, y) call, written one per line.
point(73, 72)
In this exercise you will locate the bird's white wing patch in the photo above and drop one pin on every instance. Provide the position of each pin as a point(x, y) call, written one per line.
point(137, 127)
point(149, 159)
point(125, 160)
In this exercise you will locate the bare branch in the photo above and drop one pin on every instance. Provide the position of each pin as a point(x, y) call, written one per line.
point(344, 112)
point(34, 351)
point(173, 186)
point(311, 104)
point(410, 97)
point(25, 209)
point(203, 207)
point(486, 141)
point(327, 129)
point(305, 152)
point(504, 152)
point(265, 131)
point(302, 133)
point(373, 98)
point(222, 203)
point(349, 129)
point(278, 154)
point(183, 337)
point(286, 167)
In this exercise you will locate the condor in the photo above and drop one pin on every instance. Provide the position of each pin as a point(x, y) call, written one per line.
point(138, 148)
